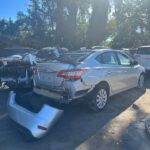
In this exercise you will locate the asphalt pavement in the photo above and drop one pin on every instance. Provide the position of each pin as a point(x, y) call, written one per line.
point(77, 124)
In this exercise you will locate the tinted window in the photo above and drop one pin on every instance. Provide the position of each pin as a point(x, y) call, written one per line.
point(144, 51)
point(108, 58)
point(124, 60)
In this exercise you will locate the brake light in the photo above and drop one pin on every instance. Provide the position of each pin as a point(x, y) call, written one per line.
point(71, 74)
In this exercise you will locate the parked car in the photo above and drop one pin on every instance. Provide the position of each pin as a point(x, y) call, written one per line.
point(143, 57)
point(101, 72)
point(15, 67)
point(48, 53)
point(130, 52)
point(89, 76)
point(98, 47)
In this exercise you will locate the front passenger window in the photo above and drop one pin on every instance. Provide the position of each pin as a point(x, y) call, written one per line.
point(124, 60)
point(108, 58)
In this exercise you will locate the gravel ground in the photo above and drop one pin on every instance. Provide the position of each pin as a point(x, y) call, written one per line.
point(76, 126)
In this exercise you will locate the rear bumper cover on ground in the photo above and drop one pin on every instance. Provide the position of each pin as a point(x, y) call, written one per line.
point(37, 123)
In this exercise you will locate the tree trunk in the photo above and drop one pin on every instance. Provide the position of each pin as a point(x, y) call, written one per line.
point(97, 23)
point(60, 23)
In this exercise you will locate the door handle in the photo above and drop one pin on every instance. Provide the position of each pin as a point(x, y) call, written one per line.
point(123, 71)
point(109, 72)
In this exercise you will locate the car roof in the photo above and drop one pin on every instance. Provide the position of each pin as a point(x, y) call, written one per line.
point(106, 50)
point(146, 46)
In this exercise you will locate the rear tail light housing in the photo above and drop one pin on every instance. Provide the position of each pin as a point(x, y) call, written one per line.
point(71, 74)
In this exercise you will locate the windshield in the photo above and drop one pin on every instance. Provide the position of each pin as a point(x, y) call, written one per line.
point(144, 51)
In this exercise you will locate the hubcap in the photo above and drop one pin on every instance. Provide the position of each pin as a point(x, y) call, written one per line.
point(101, 98)
point(141, 81)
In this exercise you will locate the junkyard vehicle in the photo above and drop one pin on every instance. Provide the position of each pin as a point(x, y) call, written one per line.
point(130, 52)
point(48, 53)
point(96, 74)
point(15, 67)
point(98, 47)
point(143, 57)
point(92, 75)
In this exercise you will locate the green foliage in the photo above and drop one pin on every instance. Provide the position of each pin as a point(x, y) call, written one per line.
point(78, 23)
point(132, 19)
point(55, 22)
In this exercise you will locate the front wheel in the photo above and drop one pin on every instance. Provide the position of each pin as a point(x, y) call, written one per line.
point(141, 81)
point(98, 98)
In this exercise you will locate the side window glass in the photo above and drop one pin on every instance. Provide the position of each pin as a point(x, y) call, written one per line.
point(108, 58)
point(124, 60)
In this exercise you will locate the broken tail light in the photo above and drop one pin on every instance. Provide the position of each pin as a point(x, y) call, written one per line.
point(71, 74)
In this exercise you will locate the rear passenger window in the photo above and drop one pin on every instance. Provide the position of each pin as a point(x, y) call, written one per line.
point(108, 58)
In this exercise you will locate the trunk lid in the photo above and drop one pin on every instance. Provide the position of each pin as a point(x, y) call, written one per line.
point(47, 73)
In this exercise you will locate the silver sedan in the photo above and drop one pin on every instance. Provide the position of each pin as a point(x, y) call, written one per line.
point(96, 75)
point(93, 76)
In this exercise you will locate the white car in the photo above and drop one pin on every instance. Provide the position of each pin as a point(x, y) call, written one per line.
point(143, 57)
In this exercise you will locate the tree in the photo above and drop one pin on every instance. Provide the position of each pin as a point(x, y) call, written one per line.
point(132, 18)
point(98, 21)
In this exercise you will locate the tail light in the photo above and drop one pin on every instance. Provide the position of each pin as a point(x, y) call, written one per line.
point(71, 74)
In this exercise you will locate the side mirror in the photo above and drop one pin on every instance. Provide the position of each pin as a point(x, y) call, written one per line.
point(134, 63)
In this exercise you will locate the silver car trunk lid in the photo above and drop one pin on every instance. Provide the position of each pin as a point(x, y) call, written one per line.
point(47, 73)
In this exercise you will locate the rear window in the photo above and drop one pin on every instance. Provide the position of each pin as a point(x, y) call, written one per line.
point(78, 56)
point(144, 51)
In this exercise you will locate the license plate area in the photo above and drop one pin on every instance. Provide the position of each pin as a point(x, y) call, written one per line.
point(47, 77)
point(47, 93)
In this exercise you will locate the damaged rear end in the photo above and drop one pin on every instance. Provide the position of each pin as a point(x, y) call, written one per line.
point(61, 80)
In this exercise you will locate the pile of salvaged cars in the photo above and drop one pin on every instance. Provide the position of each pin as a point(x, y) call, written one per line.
point(62, 77)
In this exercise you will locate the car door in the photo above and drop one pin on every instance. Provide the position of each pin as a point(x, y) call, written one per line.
point(111, 67)
point(129, 72)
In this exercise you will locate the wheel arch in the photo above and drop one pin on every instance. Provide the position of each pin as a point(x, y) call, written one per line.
point(104, 83)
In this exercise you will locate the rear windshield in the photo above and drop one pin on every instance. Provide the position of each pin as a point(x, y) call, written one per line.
point(144, 51)
point(78, 56)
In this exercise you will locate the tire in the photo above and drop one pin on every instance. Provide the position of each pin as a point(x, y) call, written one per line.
point(147, 128)
point(141, 81)
point(98, 98)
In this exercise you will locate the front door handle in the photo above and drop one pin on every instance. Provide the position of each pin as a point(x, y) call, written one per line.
point(109, 72)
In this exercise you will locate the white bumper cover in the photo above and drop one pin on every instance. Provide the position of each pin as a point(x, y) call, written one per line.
point(37, 123)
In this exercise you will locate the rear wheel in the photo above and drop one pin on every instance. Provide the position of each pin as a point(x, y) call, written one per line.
point(98, 98)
